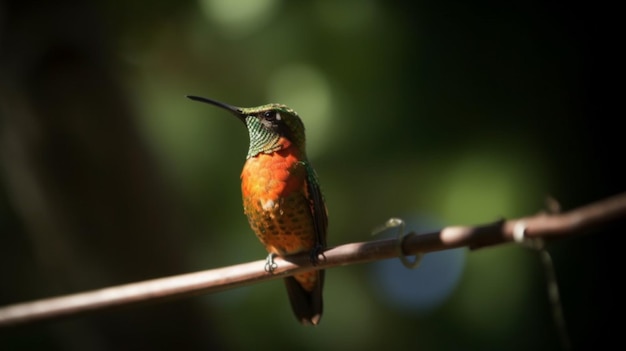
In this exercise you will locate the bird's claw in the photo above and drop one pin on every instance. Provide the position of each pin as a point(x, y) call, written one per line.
point(270, 265)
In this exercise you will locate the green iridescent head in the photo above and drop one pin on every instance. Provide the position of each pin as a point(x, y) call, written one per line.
point(266, 125)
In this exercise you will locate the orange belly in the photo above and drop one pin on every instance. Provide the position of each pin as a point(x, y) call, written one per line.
point(274, 197)
point(274, 200)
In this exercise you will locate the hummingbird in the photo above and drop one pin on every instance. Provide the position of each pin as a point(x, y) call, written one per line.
point(282, 198)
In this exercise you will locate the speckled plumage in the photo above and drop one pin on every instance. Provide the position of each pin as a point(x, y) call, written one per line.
point(282, 198)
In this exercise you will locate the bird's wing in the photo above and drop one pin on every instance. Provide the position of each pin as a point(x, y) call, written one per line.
point(317, 205)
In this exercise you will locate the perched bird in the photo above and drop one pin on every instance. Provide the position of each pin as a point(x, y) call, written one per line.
point(282, 198)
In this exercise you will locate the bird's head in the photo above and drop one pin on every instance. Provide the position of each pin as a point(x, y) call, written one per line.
point(271, 127)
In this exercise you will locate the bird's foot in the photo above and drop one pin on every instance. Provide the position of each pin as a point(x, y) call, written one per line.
point(270, 265)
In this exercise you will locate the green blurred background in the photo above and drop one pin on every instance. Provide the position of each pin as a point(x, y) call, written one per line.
point(438, 112)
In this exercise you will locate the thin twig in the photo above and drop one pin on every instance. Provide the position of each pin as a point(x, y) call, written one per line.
point(547, 226)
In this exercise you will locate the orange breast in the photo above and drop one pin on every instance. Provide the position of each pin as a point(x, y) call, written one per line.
point(274, 197)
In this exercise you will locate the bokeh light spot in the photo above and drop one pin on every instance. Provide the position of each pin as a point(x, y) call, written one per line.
point(488, 183)
point(424, 288)
point(238, 17)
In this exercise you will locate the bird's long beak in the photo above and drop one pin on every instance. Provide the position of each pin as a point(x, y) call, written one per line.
point(233, 109)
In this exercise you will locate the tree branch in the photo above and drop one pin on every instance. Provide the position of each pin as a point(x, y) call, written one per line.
point(546, 226)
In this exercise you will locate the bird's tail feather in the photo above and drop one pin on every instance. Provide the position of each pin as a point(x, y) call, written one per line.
point(306, 305)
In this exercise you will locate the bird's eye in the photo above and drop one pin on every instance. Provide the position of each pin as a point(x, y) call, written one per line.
point(270, 115)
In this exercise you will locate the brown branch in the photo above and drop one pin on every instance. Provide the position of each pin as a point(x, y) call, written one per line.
point(538, 226)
